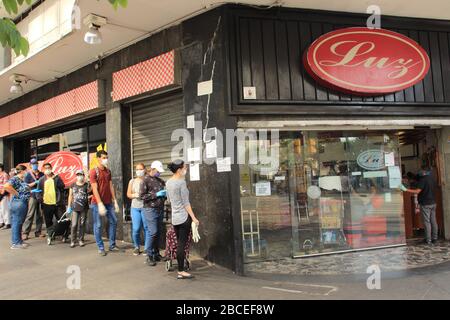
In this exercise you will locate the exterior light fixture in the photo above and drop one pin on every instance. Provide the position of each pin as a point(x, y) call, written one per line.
point(93, 35)
point(17, 80)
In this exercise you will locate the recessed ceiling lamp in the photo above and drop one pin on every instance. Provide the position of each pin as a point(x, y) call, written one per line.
point(94, 22)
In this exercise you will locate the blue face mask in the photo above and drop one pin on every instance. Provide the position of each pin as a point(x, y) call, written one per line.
point(157, 174)
point(34, 167)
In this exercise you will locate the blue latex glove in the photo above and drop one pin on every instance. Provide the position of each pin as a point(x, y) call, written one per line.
point(161, 194)
point(36, 191)
point(69, 210)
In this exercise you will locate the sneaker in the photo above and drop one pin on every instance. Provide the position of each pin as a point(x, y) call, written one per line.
point(136, 252)
point(17, 247)
point(151, 261)
point(8, 226)
point(114, 249)
point(144, 253)
point(102, 253)
point(2, 225)
point(435, 241)
point(72, 244)
point(37, 235)
point(26, 244)
point(49, 241)
point(158, 258)
point(81, 243)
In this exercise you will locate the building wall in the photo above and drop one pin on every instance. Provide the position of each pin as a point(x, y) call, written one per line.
point(266, 51)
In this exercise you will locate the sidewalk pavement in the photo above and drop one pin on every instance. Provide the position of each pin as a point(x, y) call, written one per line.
point(40, 272)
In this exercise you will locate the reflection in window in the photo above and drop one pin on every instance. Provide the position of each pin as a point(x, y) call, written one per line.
point(333, 191)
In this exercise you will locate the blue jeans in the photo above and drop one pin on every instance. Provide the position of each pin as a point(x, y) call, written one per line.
point(138, 220)
point(18, 209)
point(112, 219)
point(154, 218)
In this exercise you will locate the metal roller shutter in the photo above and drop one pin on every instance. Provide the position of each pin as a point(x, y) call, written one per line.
point(152, 126)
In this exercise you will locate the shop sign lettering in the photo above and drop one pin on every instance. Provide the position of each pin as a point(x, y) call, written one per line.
point(365, 61)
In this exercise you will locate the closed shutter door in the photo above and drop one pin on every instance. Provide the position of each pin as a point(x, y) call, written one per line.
point(152, 127)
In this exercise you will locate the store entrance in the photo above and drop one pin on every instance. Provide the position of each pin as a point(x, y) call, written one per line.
point(334, 191)
point(420, 147)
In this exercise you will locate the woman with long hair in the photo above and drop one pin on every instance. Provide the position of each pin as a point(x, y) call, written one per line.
point(182, 214)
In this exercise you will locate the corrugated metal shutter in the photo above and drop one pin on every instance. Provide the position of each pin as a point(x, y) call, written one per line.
point(152, 127)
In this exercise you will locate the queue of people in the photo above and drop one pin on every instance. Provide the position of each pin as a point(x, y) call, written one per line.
point(35, 196)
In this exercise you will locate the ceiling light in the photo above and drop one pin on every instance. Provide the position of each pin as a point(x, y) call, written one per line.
point(93, 36)
point(17, 80)
point(94, 22)
point(16, 88)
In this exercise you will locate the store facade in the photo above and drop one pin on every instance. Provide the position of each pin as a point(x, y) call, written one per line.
point(347, 138)
point(341, 155)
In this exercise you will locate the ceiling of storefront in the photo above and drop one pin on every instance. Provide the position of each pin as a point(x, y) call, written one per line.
point(142, 17)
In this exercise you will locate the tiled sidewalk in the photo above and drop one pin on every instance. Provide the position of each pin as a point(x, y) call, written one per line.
point(389, 259)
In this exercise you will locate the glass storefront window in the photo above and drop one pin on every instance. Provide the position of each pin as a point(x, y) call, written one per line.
point(333, 191)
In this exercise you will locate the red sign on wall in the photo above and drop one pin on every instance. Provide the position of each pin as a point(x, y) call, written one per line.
point(65, 164)
point(366, 61)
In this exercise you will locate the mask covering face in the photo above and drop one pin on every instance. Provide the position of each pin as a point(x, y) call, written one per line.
point(80, 179)
point(48, 172)
point(34, 167)
point(157, 174)
point(140, 173)
point(184, 172)
point(105, 162)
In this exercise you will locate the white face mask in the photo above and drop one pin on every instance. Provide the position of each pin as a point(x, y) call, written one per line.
point(80, 179)
point(184, 172)
point(140, 173)
point(48, 172)
point(105, 162)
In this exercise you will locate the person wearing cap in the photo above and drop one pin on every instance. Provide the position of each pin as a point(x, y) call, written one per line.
point(77, 207)
point(153, 195)
point(34, 209)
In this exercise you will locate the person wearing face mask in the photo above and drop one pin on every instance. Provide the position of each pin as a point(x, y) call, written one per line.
point(77, 207)
point(137, 209)
point(50, 195)
point(34, 209)
point(104, 202)
point(4, 203)
point(20, 194)
point(182, 214)
point(153, 195)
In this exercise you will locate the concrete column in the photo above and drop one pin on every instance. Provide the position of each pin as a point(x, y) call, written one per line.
point(118, 144)
point(445, 175)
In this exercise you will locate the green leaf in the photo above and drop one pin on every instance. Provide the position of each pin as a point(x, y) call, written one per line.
point(24, 46)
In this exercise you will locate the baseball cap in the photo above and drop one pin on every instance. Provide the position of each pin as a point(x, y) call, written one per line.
point(158, 166)
point(78, 172)
point(33, 161)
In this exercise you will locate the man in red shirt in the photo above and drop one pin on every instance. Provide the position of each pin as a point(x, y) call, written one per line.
point(104, 202)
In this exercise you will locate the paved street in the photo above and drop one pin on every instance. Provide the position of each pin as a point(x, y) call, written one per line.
point(40, 273)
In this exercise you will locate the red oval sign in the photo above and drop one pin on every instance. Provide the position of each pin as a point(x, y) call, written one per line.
point(65, 164)
point(366, 61)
